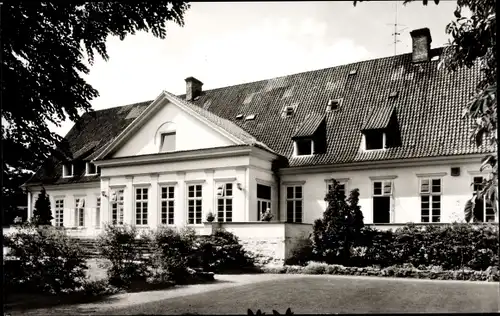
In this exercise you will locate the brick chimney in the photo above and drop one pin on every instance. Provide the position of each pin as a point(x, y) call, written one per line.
point(193, 88)
point(421, 45)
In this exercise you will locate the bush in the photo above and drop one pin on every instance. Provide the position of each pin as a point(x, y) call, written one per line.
point(118, 244)
point(222, 252)
point(171, 251)
point(340, 228)
point(301, 253)
point(46, 261)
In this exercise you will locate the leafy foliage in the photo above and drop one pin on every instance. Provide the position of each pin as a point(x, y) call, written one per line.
point(340, 227)
point(118, 244)
point(46, 261)
point(42, 214)
point(44, 51)
point(259, 312)
point(301, 253)
point(222, 252)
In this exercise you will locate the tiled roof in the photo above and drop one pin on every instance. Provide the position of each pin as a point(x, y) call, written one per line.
point(309, 125)
point(427, 107)
point(378, 117)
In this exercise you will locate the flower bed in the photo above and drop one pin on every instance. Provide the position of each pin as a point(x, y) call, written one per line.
point(406, 271)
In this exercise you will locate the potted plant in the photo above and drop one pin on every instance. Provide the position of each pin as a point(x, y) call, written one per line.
point(266, 216)
point(210, 217)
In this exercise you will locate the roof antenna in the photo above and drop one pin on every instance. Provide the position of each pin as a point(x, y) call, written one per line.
point(396, 31)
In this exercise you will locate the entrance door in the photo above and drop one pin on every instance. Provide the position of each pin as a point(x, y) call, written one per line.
point(381, 209)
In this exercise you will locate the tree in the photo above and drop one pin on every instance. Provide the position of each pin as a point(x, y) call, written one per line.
point(339, 229)
point(42, 214)
point(474, 42)
point(43, 55)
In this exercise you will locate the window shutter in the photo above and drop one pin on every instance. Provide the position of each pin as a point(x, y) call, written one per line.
point(424, 186)
point(387, 188)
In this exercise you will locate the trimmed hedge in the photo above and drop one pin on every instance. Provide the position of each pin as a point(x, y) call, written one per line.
point(407, 271)
point(452, 247)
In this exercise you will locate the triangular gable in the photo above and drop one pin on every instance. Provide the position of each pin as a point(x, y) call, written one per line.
point(378, 117)
point(225, 128)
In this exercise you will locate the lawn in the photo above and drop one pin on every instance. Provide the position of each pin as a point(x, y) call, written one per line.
point(333, 294)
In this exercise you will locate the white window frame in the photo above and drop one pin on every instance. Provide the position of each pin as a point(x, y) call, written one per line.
point(383, 188)
point(80, 212)
point(485, 203)
point(222, 194)
point(169, 203)
point(384, 143)
point(143, 203)
point(65, 170)
point(162, 135)
point(432, 198)
point(119, 205)
point(384, 180)
point(59, 212)
point(197, 201)
point(296, 148)
point(87, 169)
point(295, 199)
point(262, 203)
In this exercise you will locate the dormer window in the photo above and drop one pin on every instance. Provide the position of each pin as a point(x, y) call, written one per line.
point(68, 170)
point(167, 142)
point(374, 139)
point(304, 147)
point(91, 169)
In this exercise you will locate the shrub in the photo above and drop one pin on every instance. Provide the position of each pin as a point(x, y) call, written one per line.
point(301, 253)
point(340, 227)
point(222, 252)
point(47, 261)
point(171, 251)
point(118, 244)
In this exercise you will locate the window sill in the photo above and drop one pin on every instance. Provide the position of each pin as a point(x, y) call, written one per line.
point(91, 174)
point(66, 177)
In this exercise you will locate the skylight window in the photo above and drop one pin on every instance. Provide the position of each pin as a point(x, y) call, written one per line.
point(393, 94)
point(239, 116)
point(250, 117)
point(352, 72)
point(333, 104)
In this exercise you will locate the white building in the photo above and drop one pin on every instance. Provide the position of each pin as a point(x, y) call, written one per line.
point(390, 127)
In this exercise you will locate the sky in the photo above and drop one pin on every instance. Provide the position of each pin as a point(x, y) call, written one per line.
point(229, 43)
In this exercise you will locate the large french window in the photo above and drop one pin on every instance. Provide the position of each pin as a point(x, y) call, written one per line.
point(141, 206)
point(430, 200)
point(167, 204)
point(382, 193)
point(195, 210)
point(483, 210)
point(225, 202)
point(117, 208)
point(263, 199)
point(80, 212)
point(294, 202)
point(59, 212)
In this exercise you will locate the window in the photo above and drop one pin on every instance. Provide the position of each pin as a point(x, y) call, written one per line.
point(250, 117)
point(294, 204)
point(225, 202)
point(91, 169)
point(374, 139)
point(263, 199)
point(68, 170)
point(98, 212)
point(342, 187)
point(141, 206)
point(195, 210)
point(80, 212)
point(167, 142)
point(382, 192)
point(167, 205)
point(304, 147)
point(333, 104)
point(59, 212)
point(430, 200)
point(483, 210)
point(117, 208)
